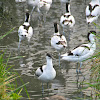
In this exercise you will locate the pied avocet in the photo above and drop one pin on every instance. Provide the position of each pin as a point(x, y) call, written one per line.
point(92, 11)
point(82, 52)
point(67, 20)
point(25, 31)
point(46, 73)
point(58, 41)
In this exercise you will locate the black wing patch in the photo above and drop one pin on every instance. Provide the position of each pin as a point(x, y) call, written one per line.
point(41, 68)
point(26, 27)
point(70, 53)
point(85, 47)
point(90, 7)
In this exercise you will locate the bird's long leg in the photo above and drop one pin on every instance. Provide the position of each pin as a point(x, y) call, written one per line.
point(59, 59)
point(39, 13)
point(44, 17)
point(95, 25)
point(48, 87)
point(42, 88)
point(32, 11)
point(69, 35)
point(77, 72)
point(68, 39)
point(80, 70)
point(63, 31)
point(39, 18)
point(28, 44)
point(19, 44)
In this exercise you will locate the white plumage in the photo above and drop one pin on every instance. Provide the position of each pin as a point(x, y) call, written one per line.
point(83, 51)
point(42, 6)
point(58, 41)
point(46, 73)
point(25, 31)
point(20, 0)
point(92, 11)
point(67, 19)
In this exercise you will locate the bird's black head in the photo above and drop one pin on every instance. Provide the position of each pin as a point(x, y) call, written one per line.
point(49, 55)
point(91, 32)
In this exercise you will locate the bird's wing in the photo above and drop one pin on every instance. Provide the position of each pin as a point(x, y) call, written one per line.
point(40, 70)
point(80, 51)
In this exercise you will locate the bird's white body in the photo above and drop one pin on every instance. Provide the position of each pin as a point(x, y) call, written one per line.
point(25, 31)
point(33, 2)
point(67, 19)
point(92, 11)
point(46, 73)
point(81, 52)
point(55, 42)
point(41, 5)
point(25, 34)
point(20, 0)
point(58, 41)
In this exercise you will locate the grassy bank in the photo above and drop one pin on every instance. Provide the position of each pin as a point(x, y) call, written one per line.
point(8, 84)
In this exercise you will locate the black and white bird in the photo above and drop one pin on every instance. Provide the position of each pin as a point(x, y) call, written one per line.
point(46, 73)
point(67, 20)
point(42, 6)
point(92, 11)
point(25, 31)
point(58, 41)
point(82, 52)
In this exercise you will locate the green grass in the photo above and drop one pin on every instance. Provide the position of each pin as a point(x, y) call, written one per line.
point(8, 84)
point(94, 84)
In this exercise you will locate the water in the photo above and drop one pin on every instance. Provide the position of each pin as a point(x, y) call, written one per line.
point(65, 83)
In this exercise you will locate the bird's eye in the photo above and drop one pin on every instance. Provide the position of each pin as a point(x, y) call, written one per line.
point(21, 35)
point(25, 35)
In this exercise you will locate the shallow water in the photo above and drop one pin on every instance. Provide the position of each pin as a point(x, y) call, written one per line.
point(65, 83)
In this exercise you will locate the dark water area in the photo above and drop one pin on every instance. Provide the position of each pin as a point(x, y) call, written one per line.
point(65, 84)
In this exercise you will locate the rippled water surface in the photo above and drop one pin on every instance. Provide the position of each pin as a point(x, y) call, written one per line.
point(65, 83)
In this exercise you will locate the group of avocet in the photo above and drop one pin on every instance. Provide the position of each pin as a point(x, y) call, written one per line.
point(47, 73)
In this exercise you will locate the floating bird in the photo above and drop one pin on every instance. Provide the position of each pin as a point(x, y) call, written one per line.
point(46, 73)
point(67, 20)
point(58, 41)
point(92, 11)
point(25, 31)
point(42, 6)
point(82, 52)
